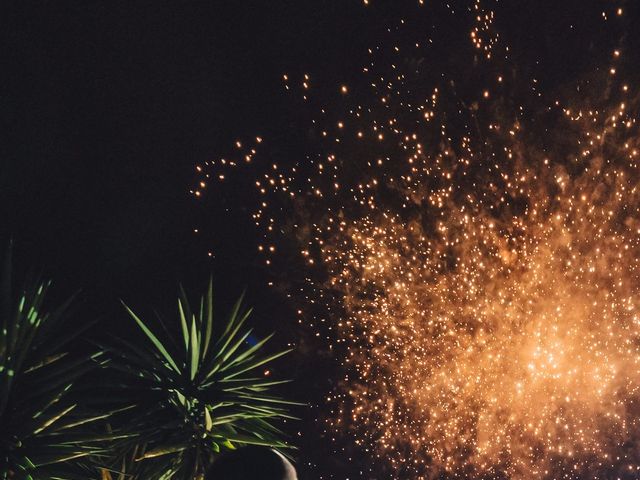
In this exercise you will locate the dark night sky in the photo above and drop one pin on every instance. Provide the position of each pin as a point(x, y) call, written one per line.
point(107, 106)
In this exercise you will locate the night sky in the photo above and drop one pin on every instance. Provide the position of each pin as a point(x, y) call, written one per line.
point(107, 108)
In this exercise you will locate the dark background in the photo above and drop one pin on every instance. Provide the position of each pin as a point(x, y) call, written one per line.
point(107, 106)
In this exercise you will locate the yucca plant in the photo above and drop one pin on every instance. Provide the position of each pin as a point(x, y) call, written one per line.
point(43, 429)
point(193, 398)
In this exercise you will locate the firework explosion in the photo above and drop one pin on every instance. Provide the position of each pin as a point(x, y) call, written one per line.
point(474, 243)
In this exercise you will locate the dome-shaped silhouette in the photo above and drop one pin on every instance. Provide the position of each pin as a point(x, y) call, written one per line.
point(252, 463)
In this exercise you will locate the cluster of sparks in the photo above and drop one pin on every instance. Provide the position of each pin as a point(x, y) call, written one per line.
point(478, 273)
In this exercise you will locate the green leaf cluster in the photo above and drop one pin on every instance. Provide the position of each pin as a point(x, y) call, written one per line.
point(192, 399)
point(44, 429)
point(157, 407)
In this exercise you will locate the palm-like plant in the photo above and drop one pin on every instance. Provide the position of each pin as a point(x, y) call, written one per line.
point(42, 432)
point(190, 401)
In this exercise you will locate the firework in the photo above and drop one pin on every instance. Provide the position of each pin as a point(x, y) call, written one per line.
point(474, 243)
